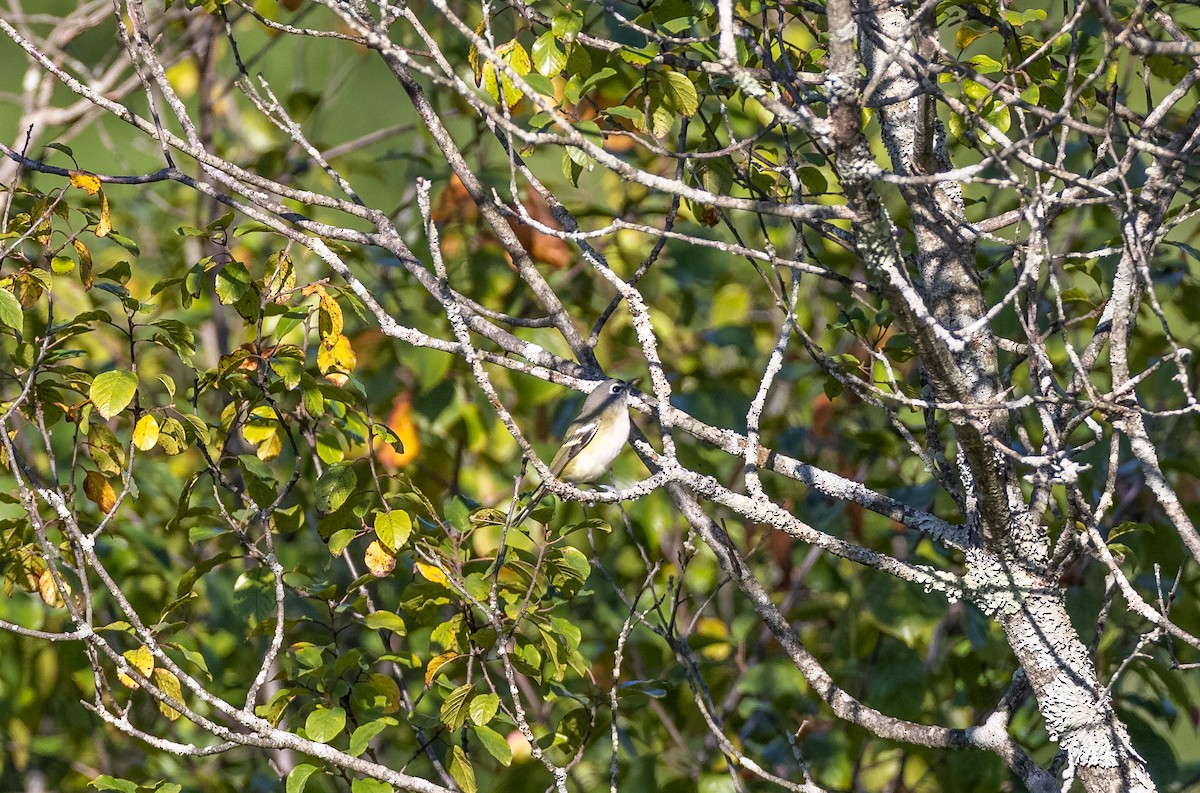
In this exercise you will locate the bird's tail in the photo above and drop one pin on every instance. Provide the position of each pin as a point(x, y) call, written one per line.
point(534, 498)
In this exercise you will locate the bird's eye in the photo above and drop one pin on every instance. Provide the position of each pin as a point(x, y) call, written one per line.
point(615, 388)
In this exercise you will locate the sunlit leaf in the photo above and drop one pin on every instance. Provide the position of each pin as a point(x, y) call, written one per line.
point(10, 310)
point(88, 182)
point(142, 660)
point(324, 724)
point(111, 392)
point(145, 432)
point(168, 683)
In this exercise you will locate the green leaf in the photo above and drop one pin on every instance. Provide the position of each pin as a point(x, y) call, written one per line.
point(120, 273)
point(483, 708)
point(297, 778)
point(111, 392)
point(548, 59)
point(106, 782)
point(454, 708)
point(661, 121)
point(579, 63)
point(587, 85)
point(314, 401)
point(385, 620)
point(572, 729)
point(289, 370)
point(334, 487)
point(340, 539)
point(494, 743)
point(232, 282)
point(461, 770)
point(567, 24)
point(985, 64)
point(10, 310)
point(254, 595)
point(631, 113)
point(393, 528)
point(365, 785)
point(125, 243)
point(1019, 18)
point(325, 724)
point(362, 736)
point(61, 265)
point(572, 570)
point(1126, 528)
point(1076, 295)
point(541, 85)
point(681, 93)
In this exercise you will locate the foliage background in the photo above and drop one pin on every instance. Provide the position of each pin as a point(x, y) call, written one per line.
point(898, 649)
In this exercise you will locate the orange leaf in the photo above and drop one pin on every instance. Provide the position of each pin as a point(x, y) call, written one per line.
point(99, 491)
point(455, 203)
point(543, 247)
point(400, 422)
point(49, 590)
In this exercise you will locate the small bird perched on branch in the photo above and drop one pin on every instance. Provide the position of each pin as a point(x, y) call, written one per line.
point(592, 441)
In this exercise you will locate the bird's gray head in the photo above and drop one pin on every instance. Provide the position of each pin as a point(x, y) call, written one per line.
point(605, 394)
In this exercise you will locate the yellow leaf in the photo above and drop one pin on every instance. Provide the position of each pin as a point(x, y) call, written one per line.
point(104, 226)
point(336, 360)
point(966, 36)
point(380, 562)
point(329, 320)
point(168, 683)
point(713, 636)
point(85, 263)
point(184, 77)
point(99, 491)
point(49, 590)
point(436, 663)
point(433, 574)
point(141, 660)
point(145, 433)
point(86, 181)
point(270, 448)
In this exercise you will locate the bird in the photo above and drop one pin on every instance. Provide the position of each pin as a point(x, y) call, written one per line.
point(592, 441)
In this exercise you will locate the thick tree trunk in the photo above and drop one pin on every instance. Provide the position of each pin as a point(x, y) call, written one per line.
point(942, 314)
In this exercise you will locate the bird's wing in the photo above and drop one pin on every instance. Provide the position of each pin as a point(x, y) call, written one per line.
point(578, 437)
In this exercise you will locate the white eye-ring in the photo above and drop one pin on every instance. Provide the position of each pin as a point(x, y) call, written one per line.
point(615, 388)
